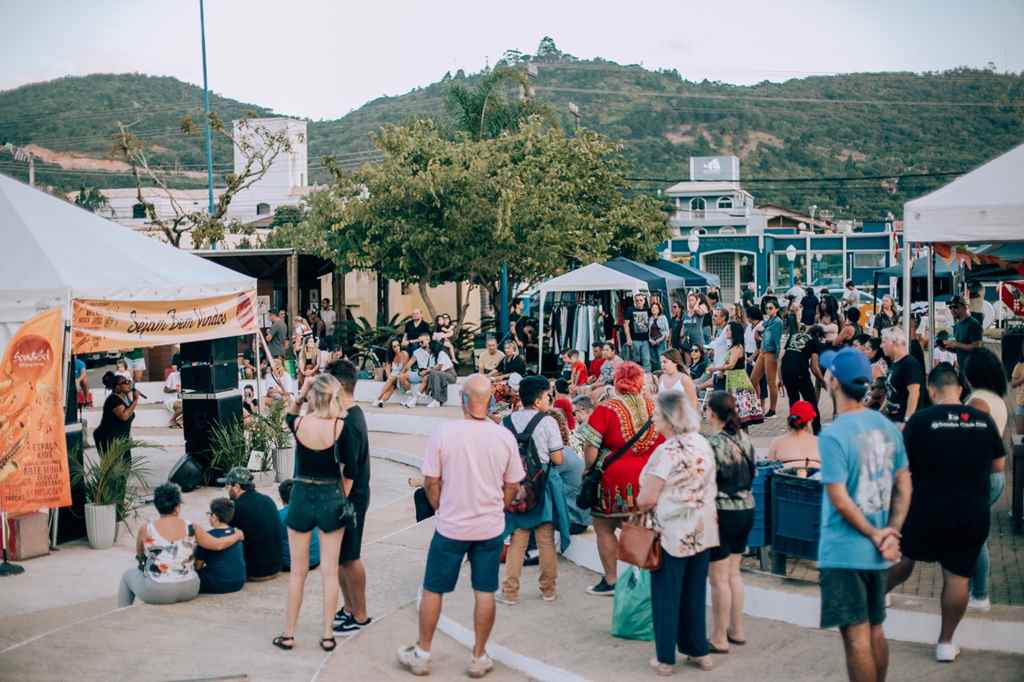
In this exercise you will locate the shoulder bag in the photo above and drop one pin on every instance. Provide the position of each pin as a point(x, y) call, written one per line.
point(588, 495)
point(639, 543)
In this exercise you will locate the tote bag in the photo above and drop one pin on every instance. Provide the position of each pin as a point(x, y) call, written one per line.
point(748, 402)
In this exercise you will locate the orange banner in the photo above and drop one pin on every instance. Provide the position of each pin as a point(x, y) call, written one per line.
point(33, 452)
point(98, 326)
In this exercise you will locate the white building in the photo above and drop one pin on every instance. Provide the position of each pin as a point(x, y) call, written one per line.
point(284, 184)
point(713, 202)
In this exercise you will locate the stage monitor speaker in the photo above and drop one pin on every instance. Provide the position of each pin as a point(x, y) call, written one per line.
point(211, 350)
point(187, 473)
point(71, 520)
point(1011, 350)
point(210, 378)
point(200, 413)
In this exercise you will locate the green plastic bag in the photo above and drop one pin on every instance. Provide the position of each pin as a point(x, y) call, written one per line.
point(631, 611)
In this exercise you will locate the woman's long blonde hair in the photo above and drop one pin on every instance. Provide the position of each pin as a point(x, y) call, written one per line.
point(324, 398)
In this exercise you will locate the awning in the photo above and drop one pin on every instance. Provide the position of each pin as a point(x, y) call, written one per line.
point(655, 279)
point(691, 275)
point(593, 277)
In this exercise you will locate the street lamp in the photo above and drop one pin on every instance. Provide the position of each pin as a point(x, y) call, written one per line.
point(693, 243)
point(791, 256)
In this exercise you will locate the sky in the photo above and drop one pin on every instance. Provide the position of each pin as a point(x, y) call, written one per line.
point(323, 58)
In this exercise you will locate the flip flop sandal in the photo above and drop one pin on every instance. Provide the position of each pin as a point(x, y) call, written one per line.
point(715, 650)
point(286, 643)
point(328, 644)
point(737, 642)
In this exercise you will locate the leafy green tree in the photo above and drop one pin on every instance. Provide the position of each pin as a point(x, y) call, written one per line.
point(90, 199)
point(284, 215)
point(486, 110)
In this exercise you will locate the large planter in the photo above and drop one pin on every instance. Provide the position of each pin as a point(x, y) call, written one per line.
point(284, 461)
point(101, 525)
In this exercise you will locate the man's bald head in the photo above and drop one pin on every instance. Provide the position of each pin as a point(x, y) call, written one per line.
point(477, 389)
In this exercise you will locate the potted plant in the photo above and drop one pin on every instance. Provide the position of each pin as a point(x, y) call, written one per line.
point(280, 440)
point(260, 443)
point(229, 448)
point(112, 485)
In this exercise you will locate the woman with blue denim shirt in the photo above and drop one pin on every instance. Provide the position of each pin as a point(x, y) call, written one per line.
point(767, 363)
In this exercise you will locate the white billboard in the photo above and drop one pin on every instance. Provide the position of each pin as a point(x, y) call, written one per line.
point(715, 168)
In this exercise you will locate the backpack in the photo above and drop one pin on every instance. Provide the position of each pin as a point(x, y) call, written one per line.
point(738, 476)
point(534, 486)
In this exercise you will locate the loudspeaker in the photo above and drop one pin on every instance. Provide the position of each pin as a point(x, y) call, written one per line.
point(200, 412)
point(210, 378)
point(211, 350)
point(187, 473)
point(1011, 350)
point(71, 520)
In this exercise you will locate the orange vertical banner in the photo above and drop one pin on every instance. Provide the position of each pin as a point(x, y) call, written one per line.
point(33, 453)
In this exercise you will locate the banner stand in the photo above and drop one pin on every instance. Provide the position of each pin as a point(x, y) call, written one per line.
point(6, 567)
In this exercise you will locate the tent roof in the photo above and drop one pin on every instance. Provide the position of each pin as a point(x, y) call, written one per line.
point(985, 205)
point(654, 278)
point(919, 268)
point(691, 275)
point(593, 277)
point(54, 247)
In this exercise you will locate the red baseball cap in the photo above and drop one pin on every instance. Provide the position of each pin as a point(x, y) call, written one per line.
point(802, 412)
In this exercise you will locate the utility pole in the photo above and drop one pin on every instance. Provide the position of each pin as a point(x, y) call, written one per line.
point(206, 111)
point(31, 171)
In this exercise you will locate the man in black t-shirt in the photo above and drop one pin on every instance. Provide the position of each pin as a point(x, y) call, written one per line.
point(638, 331)
point(355, 456)
point(256, 516)
point(413, 329)
point(903, 383)
point(966, 331)
point(952, 450)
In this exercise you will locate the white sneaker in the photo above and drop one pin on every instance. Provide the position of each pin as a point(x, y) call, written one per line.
point(413, 662)
point(478, 667)
point(946, 652)
point(433, 403)
point(409, 403)
point(980, 604)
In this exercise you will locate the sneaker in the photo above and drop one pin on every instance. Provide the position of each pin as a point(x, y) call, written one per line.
point(351, 627)
point(409, 403)
point(770, 414)
point(413, 662)
point(602, 589)
point(946, 652)
point(478, 667)
point(506, 599)
point(433, 404)
point(980, 604)
point(342, 617)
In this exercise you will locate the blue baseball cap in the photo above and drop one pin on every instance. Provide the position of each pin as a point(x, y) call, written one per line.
point(849, 366)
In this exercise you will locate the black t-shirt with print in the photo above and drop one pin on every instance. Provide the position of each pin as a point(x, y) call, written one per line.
point(796, 361)
point(639, 320)
point(902, 375)
point(950, 449)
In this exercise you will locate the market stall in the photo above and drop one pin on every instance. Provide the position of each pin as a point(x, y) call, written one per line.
point(658, 281)
point(692, 277)
point(590, 278)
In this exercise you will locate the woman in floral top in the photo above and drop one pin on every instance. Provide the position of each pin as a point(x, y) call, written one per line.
point(678, 485)
point(734, 464)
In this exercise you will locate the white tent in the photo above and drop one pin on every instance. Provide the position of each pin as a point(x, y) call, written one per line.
point(54, 251)
point(983, 206)
point(593, 277)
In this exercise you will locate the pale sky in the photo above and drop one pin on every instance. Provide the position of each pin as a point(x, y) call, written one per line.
point(323, 58)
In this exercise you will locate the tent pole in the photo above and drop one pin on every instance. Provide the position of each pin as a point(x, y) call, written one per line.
point(929, 357)
point(908, 253)
point(256, 343)
point(540, 332)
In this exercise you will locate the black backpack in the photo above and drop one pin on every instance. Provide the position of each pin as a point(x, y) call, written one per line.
point(534, 486)
point(738, 476)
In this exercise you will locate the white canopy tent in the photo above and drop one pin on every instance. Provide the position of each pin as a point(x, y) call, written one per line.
point(55, 251)
point(984, 206)
point(593, 277)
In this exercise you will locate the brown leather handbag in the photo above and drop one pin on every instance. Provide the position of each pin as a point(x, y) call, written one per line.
point(639, 544)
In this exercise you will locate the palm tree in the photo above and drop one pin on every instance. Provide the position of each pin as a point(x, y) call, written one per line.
point(487, 111)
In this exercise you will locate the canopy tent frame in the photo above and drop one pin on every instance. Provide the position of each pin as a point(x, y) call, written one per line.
point(593, 277)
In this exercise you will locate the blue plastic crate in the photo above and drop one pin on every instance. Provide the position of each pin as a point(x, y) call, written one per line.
point(761, 534)
point(796, 514)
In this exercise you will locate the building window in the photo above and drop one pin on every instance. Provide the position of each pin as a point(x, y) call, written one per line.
point(827, 270)
point(697, 205)
point(139, 211)
point(784, 273)
point(728, 229)
point(262, 209)
point(724, 202)
point(869, 259)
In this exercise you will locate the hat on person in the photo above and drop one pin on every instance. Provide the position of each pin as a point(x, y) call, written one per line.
point(801, 413)
point(849, 366)
point(237, 475)
point(957, 300)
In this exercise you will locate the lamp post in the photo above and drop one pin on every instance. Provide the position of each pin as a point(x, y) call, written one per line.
point(206, 112)
point(791, 257)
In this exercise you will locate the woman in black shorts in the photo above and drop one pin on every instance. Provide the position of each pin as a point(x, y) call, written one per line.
point(315, 500)
point(734, 466)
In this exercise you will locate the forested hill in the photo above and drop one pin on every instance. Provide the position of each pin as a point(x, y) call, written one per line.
point(851, 125)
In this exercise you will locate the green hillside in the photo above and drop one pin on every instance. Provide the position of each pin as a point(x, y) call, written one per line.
point(852, 125)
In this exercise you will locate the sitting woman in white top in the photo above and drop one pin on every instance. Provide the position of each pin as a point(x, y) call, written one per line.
point(165, 549)
point(440, 373)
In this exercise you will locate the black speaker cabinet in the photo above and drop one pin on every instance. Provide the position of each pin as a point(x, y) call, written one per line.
point(210, 351)
point(210, 378)
point(200, 412)
point(187, 473)
point(71, 520)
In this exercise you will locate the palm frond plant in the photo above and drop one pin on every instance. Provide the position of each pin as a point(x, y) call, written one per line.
point(229, 446)
point(113, 479)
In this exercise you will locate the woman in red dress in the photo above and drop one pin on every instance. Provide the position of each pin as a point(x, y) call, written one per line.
point(612, 424)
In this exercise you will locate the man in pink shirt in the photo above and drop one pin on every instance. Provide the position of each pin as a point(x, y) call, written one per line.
point(472, 471)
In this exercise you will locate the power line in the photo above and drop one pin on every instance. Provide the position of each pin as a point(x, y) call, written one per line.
point(846, 178)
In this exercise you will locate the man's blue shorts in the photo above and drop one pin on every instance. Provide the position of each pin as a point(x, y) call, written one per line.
point(444, 559)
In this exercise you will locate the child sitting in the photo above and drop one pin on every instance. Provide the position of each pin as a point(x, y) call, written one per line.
point(224, 571)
